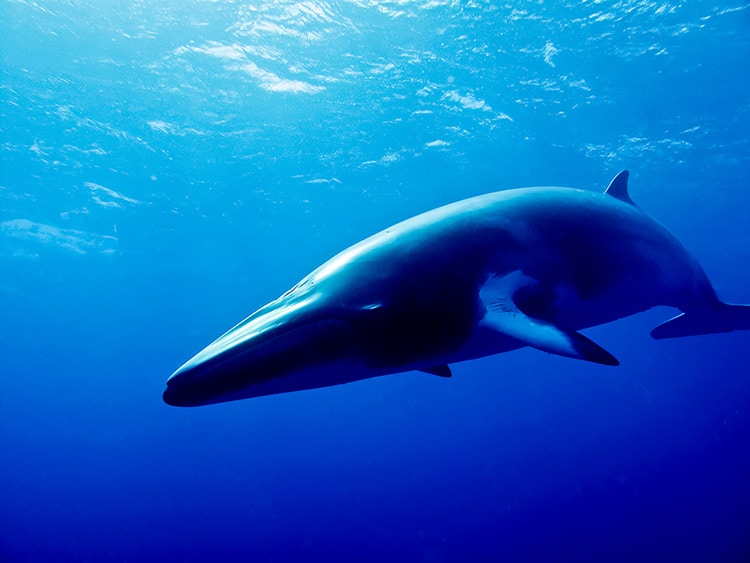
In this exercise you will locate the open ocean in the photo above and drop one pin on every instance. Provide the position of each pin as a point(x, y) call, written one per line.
point(168, 166)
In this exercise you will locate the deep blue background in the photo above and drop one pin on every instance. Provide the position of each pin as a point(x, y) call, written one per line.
point(167, 167)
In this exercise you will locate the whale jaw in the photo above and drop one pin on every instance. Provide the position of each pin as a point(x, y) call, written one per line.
point(291, 344)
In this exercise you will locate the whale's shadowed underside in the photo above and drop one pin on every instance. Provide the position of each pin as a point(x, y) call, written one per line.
point(525, 267)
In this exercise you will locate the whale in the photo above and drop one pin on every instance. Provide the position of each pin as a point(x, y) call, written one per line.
point(526, 267)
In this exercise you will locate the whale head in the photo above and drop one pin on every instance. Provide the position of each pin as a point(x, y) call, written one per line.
point(281, 347)
point(369, 311)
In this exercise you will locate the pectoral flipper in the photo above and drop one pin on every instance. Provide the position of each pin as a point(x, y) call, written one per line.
point(504, 316)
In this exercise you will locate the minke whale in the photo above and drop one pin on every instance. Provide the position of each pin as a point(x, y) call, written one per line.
point(486, 275)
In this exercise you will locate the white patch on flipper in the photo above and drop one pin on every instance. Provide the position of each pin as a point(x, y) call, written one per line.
point(497, 291)
point(502, 315)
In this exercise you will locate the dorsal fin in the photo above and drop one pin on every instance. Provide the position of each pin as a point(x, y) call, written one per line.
point(618, 187)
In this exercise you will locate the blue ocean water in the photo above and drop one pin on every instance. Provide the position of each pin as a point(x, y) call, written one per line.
point(169, 166)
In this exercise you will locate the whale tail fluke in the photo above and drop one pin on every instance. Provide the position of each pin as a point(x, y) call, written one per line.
point(721, 318)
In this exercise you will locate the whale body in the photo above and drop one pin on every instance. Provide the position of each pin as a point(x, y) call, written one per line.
point(486, 275)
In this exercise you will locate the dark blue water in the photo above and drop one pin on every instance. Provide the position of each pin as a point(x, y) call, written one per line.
point(169, 166)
